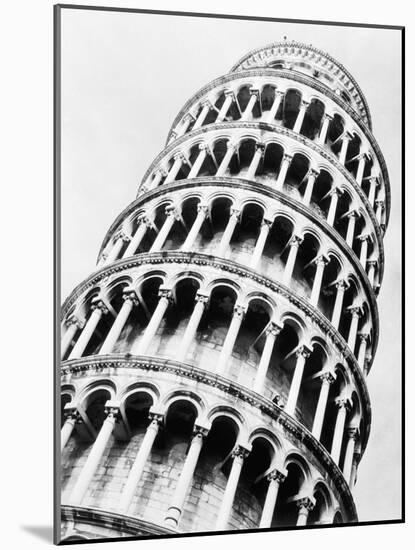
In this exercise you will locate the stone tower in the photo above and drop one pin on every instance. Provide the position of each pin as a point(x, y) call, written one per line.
point(214, 364)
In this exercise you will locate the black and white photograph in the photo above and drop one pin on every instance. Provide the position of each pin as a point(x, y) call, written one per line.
point(229, 275)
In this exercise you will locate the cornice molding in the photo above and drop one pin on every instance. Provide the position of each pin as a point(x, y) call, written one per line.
point(289, 424)
point(280, 196)
point(274, 128)
point(231, 267)
point(133, 526)
point(265, 50)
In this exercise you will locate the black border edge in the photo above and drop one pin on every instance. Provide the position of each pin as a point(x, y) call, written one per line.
point(57, 12)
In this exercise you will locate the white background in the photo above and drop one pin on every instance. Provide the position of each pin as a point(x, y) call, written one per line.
point(27, 231)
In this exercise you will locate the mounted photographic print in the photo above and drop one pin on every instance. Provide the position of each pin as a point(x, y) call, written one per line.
point(228, 308)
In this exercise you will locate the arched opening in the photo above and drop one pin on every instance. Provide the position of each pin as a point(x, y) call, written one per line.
point(328, 290)
point(349, 299)
point(296, 175)
point(286, 510)
point(246, 233)
point(215, 225)
point(243, 97)
point(65, 399)
point(341, 220)
point(291, 108)
point(310, 386)
point(312, 119)
point(337, 389)
point(304, 269)
point(271, 162)
point(320, 199)
point(246, 151)
point(319, 514)
point(335, 133)
point(283, 361)
point(353, 150)
point(267, 97)
point(276, 251)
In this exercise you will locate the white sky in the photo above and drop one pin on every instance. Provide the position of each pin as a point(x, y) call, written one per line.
point(125, 77)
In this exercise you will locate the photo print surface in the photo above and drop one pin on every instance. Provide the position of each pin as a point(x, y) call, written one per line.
point(230, 268)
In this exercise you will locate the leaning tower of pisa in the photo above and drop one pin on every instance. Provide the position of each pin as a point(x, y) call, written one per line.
point(214, 364)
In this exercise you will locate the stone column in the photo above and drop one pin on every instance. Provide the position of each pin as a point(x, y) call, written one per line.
point(140, 461)
point(363, 250)
point(231, 335)
point(199, 161)
point(203, 114)
point(171, 216)
point(292, 256)
point(98, 310)
point(202, 211)
point(175, 169)
point(352, 435)
point(345, 144)
point(130, 300)
point(321, 263)
point(253, 99)
point(355, 313)
point(72, 416)
point(271, 332)
point(116, 249)
point(338, 304)
point(230, 228)
point(363, 337)
point(285, 164)
point(302, 354)
point(360, 168)
point(256, 159)
point(331, 216)
point(229, 98)
point(230, 150)
point(380, 205)
point(152, 327)
point(94, 457)
point(371, 271)
point(275, 478)
point(300, 116)
point(374, 182)
point(305, 505)
point(312, 176)
point(327, 378)
point(176, 507)
point(352, 215)
point(188, 337)
point(260, 243)
point(73, 324)
point(324, 128)
point(238, 454)
point(336, 446)
point(275, 106)
point(187, 119)
point(143, 224)
point(161, 173)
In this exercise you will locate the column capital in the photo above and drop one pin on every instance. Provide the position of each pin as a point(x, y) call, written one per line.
point(365, 237)
point(202, 298)
point(200, 431)
point(347, 135)
point(203, 209)
point(304, 351)
point(74, 320)
point(352, 433)
point(353, 214)
point(287, 157)
point(281, 93)
point(235, 212)
point(322, 259)
point(162, 171)
point(230, 93)
point(112, 411)
point(328, 116)
point(364, 336)
point(355, 311)
point(260, 146)
point(239, 310)
point(380, 203)
point(70, 412)
point(179, 156)
point(274, 328)
point(121, 234)
point(165, 292)
point(327, 377)
point(172, 211)
point(296, 240)
point(98, 303)
point(156, 417)
point(313, 172)
point(203, 147)
point(206, 102)
point(342, 403)
point(240, 452)
point(336, 191)
point(372, 263)
point(342, 285)
point(130, 295)
point(266, 222)
point(304, 104)
point(305, 503)
point(277, 475)
point(374, 179)
point(254, 91)
point(188, 117)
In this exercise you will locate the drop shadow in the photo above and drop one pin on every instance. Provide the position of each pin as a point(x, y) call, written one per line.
point(42, 532)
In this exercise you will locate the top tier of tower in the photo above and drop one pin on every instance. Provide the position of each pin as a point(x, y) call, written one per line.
point(312, 62)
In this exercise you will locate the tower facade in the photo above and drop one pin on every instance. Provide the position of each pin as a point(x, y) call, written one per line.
point(214, 364)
